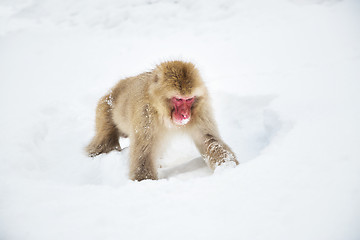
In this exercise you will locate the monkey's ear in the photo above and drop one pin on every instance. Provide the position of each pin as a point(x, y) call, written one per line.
point(156, 78)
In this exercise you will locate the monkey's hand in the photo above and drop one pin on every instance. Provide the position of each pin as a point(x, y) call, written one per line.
point(218, 153)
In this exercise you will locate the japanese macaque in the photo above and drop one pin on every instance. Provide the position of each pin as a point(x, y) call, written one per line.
point(148, 107)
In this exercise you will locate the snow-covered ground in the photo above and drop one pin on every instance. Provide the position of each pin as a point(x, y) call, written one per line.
point(284, 77)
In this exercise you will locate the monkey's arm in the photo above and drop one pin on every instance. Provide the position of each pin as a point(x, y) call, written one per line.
point(142, 164)
point(143, 145)
point(212, 148)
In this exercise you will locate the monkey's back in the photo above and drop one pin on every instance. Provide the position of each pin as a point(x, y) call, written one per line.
point(130, 95)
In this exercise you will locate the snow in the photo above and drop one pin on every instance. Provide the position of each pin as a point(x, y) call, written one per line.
point(284, 81)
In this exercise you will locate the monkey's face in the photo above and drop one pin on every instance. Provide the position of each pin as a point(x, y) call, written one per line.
point(181, 109)
point(177, 92)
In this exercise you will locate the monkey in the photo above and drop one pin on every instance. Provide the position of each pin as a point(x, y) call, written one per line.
point(153, 105)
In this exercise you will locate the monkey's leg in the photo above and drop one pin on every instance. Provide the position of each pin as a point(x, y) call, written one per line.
point(215, 151)
point(107, 134)
point(142, 161)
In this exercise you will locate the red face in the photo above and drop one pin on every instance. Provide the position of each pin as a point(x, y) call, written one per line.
point(182, 109)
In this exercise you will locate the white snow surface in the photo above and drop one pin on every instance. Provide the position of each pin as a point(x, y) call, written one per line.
point(284, 78)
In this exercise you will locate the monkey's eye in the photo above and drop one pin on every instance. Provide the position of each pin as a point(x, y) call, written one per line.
point(189, 99)
point(178, 99)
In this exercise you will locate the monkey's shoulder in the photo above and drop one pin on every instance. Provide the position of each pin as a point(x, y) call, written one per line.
point(138, 81)
point(146, 76)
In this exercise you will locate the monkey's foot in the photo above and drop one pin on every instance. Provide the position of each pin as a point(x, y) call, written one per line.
point(144, 174)
point(93, 151)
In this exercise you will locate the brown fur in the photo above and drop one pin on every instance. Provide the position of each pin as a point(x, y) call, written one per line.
point(139, 107)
